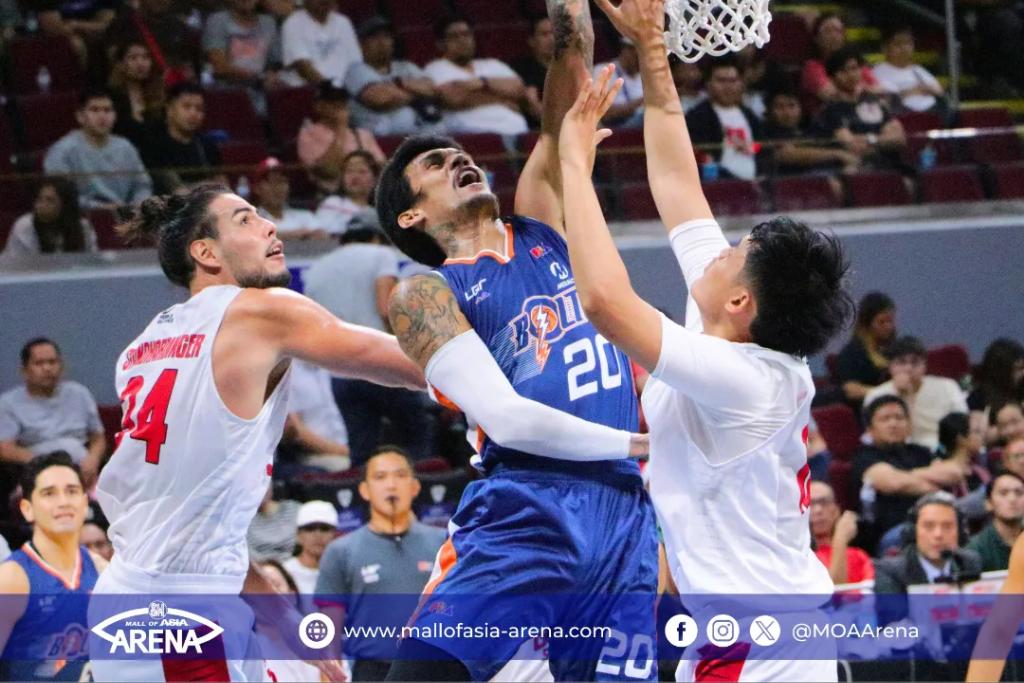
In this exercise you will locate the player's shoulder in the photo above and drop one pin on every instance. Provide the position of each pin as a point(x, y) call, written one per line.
point(13, 577)
point(419, 288)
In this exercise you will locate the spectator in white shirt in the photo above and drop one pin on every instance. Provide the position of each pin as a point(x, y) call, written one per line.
point(928, 398)
point(271, 187)
point(477, 95)
point(316, 526)
point(319, 43)
point(359, 172)
point(627, 110)
point(917, 89)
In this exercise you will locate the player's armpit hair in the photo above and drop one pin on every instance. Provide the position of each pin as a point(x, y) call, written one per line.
point(424, 315)
point(572, 27)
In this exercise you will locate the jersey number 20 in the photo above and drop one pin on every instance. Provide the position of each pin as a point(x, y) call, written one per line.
point(152, 415)
point(597, 351)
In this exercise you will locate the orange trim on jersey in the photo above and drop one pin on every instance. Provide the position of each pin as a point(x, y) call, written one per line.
point(52, 571)
point(509, 254)
point(480, 436)
point(444, 400)
point(446, 558)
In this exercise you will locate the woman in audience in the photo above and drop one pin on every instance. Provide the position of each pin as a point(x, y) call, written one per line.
point(829, 34)
point(54, 225)
point(862, 364)
point(271, 643)
point(359, 172)
point(1008, 419)
point(325, 142)
point(962, 440)
point(1000, 376)
point(137, 89)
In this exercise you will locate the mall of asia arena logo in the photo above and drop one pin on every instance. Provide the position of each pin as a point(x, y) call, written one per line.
point(157, 629)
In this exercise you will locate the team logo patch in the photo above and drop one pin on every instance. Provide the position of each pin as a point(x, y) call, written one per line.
point(540, 251)
point(543, 321)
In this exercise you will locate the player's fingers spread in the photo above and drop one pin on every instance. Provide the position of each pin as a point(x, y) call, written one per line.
point(581, 99)
point(607, 7)
point(610, 95)
point(601, 135)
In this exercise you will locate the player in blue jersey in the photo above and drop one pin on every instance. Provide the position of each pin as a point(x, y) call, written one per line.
point(46, 584)
point(499, 331)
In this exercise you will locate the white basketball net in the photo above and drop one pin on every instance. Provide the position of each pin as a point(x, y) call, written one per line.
point(714, 27)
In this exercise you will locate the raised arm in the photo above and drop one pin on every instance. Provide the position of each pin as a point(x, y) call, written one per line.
point(433, 331)
point(671, 163)
point(539, 192)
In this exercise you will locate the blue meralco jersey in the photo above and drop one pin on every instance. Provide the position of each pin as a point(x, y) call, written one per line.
point(526, 309)
point(49, 640)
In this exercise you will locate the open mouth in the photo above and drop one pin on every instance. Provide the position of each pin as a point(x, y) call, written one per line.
point(276, 250)
point(468, 175)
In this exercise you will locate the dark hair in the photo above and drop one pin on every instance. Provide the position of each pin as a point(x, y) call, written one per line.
point(820, 21)
point(395, 195)
point(951, 428)
point(66, 231)
point(388, 448)
point(871, 305)
point(287, 576)
point(329, 92)
point(906, 346)
point(993, 413)
point(890, 31)
point(93, 93)
point(183, 88)
point(882, 401)
point(836, 61)
point(174, 221)
point(995, 374)
point(442, 24)
point(782, 90)
point(724, 62)
point(26, 350)
point(990, 486)
point(38, 464)
point(797, 277)
point(535, 22)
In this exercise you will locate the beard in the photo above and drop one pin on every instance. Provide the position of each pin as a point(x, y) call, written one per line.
point(264, 280)
point(485, 204)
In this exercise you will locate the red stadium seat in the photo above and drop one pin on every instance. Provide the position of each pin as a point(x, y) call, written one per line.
point(637, 202)
point(488, 12)
point(286, 110)
point(506, 42)
point(803, 193)
point(103, 221)
point(832, 365)
point(790, 40)
point(46, 118)
point(389, 143)
point(880, 188)
point(996, 148)
point(488, 152)
point(949, 361)
point(6, 143)
point(418, 44)
point(840, 476)
point(1008, 181)
point(231, 110)
point(838, 425)
point(432, 465)
point(28, 54)
point(621, 158)
point(110, 416)
point(16, 195)
point(986, 117)
point(606, 41)
point(406, 13)
point(951, 184)
point(919, 121)
point(947, 150)
point(733, 197)
point(244, 156)
point(358, 11)
point(535, 8)
point(524, 147)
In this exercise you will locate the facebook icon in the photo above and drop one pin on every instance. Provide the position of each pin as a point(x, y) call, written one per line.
point(681, 630)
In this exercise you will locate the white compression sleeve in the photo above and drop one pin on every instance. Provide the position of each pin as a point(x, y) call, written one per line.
point(467, 374)
point(696, 243)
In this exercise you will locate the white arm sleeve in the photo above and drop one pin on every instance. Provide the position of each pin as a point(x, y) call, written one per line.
point(710, 370)
point(467, 374)
point(696, 244)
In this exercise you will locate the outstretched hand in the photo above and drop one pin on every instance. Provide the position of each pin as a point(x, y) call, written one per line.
point(579, 137)
point(636, 19)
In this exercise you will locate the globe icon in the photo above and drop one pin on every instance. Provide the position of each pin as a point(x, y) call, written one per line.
point(316, 630)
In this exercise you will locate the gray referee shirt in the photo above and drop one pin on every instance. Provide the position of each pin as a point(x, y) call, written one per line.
point(362, 565)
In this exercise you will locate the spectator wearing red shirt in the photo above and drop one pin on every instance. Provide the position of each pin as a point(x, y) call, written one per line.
point(829, 35)
point(832, 530)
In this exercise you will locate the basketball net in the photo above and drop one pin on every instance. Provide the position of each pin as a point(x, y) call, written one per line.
point(714, 27)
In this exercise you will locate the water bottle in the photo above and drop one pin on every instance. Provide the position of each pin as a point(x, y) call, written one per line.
point(929, 156)
point(867, 503)
point(242, 187)
point(43, 80)
point(709, 169)
point(31, 22)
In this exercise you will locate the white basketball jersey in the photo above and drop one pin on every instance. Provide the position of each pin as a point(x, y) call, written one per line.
point(737, 526)
point(187, 474)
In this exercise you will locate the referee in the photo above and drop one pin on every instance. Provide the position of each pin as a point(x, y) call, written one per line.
point(392, 555)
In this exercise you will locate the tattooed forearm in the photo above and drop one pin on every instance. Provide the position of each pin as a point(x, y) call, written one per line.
point(574, 31)
point(424, 316)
